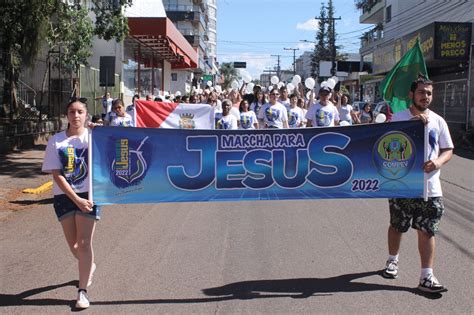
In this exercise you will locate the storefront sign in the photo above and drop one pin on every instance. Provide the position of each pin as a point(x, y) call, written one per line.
point(452, 40)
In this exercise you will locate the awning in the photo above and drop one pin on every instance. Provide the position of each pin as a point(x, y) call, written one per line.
point(161, 36)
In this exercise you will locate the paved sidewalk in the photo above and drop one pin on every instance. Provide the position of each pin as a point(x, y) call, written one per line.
point(19, 170)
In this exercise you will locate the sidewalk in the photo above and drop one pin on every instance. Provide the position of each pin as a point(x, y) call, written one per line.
point(21, 169)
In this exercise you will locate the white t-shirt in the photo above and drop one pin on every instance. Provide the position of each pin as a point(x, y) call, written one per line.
point(69, 155)
point(439, 138)
point(107, 105)
point(255, 107)
point(125, 121)
point(322, 116)
point(273, 115)
point(286, 103)
point(295, 117)
point(345, 113)
point(247, 120)
point(227, 122)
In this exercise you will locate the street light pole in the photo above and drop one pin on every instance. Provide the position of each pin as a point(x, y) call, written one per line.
point(294, 58)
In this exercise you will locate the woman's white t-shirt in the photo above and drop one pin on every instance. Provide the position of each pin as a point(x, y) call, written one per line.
point(69, 155)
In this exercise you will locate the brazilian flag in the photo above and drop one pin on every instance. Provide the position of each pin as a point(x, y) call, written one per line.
point(396, 85)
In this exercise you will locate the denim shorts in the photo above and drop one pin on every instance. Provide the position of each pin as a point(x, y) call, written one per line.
point(421, 215)
point(64, 207)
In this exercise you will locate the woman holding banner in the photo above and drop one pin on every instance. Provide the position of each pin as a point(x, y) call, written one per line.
point(66, 157)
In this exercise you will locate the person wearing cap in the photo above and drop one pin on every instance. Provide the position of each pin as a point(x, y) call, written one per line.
point(323, 113)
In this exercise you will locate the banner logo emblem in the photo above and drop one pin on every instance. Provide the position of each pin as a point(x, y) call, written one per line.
point(394, 155)
point(129, 166)
point(186, 121)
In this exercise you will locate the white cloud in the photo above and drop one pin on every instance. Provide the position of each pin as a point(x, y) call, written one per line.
point(309, 25)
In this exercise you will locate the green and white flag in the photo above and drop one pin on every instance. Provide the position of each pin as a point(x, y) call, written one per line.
point(396, 85)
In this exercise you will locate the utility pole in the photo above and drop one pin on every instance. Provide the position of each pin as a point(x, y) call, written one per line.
point(332, 41)
point(278, 64)
point(294, 58)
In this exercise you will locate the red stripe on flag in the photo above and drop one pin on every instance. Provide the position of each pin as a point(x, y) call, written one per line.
point(151, 114)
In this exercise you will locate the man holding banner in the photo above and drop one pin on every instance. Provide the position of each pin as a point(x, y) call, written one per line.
point(424, 215)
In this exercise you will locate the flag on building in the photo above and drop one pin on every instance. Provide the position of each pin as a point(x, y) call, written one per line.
point(152, 114)
point(396, 85)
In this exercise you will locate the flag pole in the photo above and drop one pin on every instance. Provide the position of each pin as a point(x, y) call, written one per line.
point(425, 158)
point(90, 165)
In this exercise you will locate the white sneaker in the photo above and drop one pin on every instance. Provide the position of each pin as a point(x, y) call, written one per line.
point(82, 299)
point(89, 282)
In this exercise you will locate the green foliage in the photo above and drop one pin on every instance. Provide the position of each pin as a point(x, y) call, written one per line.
point(110, 22)
point(229, 74)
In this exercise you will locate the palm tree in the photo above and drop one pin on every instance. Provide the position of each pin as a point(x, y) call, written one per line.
point(228, 73)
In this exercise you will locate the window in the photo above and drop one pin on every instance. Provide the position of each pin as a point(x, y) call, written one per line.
point(388, 14)
point(174, 77)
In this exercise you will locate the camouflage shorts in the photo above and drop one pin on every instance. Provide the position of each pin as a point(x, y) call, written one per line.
point(423, 215)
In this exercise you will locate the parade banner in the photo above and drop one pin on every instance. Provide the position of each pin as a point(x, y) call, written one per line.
point(150, 165)
point(174, 115)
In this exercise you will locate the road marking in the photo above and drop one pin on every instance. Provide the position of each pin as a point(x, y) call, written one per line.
point(38, 190)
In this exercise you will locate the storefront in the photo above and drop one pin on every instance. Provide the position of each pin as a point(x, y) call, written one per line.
point(446, 48)
point(152, 49)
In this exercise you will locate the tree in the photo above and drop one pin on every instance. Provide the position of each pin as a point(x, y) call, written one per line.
point(320, 47)
point(25, 25)
point(229, 74)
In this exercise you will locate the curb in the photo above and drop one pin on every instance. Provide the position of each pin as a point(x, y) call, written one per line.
point(41, 189)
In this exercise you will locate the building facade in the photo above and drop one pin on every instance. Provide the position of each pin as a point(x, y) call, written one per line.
point(197, 21)
point(445, 32)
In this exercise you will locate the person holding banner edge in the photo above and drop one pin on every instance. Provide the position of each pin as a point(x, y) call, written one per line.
point(66, 158)
point(424, 215)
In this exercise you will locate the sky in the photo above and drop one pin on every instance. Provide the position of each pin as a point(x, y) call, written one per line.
point(253, 30)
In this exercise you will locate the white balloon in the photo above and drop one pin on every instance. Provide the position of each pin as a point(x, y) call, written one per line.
point(250, 87)
point(308, 94)
point(324, 83)
point(336, 79)
point(309, 83)
point(218, 89)
point(380, 118)
point(178, 93)
point(344, 123)
point(209, 83)
point(296, 79)
point(234, 84)
point(274, 79)
point(290, 87)
point(331, 83)
point(280, 84)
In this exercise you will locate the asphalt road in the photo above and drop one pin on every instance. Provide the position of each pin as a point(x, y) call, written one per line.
point(284, 257)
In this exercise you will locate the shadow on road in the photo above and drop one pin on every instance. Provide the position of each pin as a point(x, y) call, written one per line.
point(307, 287)
point(21, 165)
point(292, 288)
point(44, 201)
point(21, 298)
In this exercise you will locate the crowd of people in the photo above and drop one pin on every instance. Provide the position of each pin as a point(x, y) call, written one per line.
point(66, 158)
point(272, 107)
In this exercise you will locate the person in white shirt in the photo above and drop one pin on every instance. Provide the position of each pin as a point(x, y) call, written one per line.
point(295, 113)
point(322, 113)
point(120, 117)
point(424, 216)
point(284, 97)
point(66, 157)
point(247, 120)
point(346, 112)
point(106, 104)
point(273, 113)
point(226, 119)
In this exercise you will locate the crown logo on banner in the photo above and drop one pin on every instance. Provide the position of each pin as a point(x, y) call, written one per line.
point(187, 121)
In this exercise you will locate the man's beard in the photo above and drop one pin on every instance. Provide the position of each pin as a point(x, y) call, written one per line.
point(420, 108)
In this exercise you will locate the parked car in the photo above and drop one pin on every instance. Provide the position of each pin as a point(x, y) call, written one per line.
point(357, 106)
point(384, 108)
